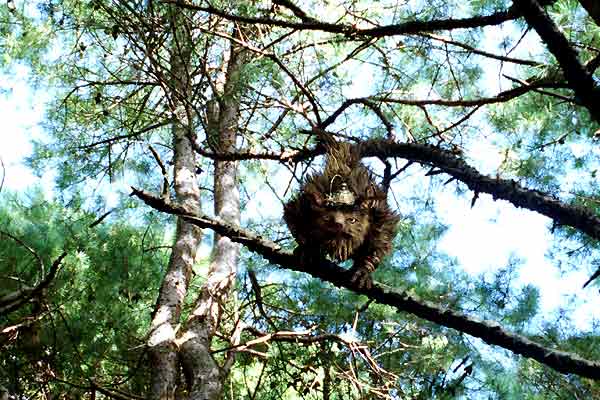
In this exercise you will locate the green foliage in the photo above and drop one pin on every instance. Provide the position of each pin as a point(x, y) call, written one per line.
point(23, 38)
point(95, 312)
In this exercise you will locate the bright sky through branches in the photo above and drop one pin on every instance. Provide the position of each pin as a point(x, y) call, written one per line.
point(482, 238)
point(21, 113)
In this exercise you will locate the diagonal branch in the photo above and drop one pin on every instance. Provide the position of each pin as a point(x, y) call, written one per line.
point(473, 50)
point(490, 332)
point(410, 27)
point(577, 75)
point(448, 162)
point(509, 190)
point(17, 299)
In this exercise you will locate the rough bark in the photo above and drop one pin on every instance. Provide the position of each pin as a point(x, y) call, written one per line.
point(162, 338)
point(203, 374)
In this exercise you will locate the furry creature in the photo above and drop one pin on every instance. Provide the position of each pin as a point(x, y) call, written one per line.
point(342, 213)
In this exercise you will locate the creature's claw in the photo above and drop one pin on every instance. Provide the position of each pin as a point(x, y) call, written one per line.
point(361, 277)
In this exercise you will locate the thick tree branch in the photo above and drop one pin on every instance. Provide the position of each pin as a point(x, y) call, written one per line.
point(577, 75)
point(411, 27)
point(490, 332)
point(284, 156)
point(449, 163)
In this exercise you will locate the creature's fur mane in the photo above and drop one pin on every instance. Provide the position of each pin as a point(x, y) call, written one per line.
point(343, 166)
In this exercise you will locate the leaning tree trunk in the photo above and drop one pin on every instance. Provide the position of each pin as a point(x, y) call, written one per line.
point(162, 345)
point(203, 375)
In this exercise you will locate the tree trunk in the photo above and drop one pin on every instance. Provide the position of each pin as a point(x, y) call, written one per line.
point(203, 374)
point(162, 339)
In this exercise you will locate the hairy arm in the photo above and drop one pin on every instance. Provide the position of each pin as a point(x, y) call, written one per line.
point(377, 245)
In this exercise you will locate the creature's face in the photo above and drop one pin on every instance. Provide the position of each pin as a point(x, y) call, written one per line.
point(341, 231)
point(342, 223)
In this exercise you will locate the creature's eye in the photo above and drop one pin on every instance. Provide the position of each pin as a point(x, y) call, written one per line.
point(352, 220)
point(327, 217)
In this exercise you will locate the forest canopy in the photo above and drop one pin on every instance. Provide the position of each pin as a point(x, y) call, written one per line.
point(160, 267)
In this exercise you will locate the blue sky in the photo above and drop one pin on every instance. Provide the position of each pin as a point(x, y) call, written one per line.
point(21, 112)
